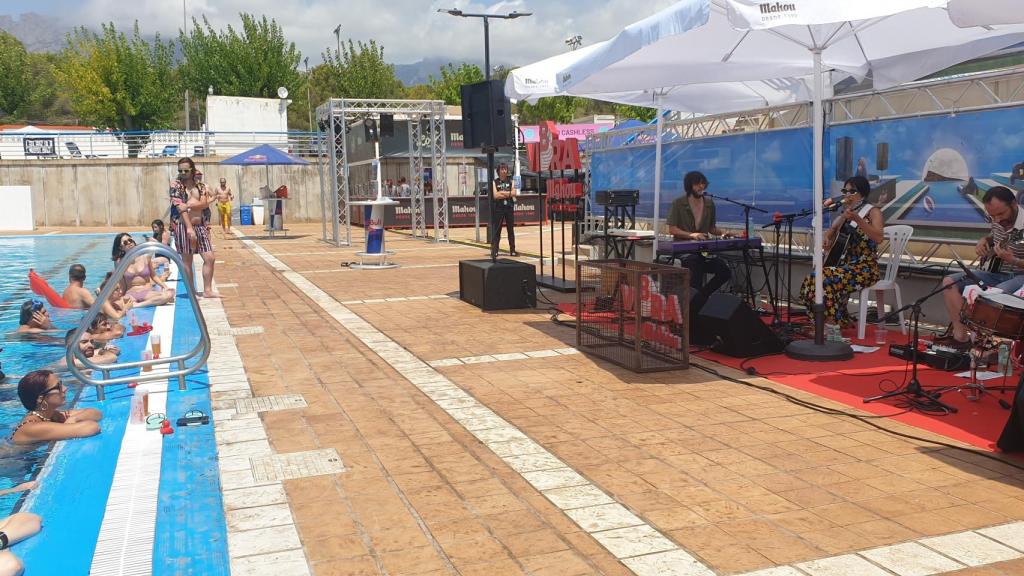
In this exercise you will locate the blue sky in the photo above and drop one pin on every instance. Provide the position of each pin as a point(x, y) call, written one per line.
point(409, 30)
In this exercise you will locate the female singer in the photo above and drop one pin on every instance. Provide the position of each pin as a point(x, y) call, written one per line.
point(858, 267)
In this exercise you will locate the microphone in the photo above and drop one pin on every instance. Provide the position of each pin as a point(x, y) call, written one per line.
point(834, 203)
point(777, 217)
point(970, 274)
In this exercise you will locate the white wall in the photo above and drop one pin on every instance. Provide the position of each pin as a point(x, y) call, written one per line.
point(237, 114)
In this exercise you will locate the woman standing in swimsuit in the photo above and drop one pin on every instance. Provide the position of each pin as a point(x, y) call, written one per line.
point(141, 281)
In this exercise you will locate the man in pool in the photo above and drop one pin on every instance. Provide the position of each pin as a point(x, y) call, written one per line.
point(76, 294)
point(34, 318)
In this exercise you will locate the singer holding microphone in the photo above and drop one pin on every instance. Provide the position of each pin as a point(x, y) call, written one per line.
point(692, 217)
point(862, 226)
point(1005, 216)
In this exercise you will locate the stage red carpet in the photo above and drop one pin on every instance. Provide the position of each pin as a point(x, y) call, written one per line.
point(977, 423)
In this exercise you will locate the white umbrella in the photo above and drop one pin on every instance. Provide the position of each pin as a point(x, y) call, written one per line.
point(893, 41)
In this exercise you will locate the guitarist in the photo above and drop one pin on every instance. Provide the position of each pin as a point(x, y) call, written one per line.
point(857, 267)
point(1007, 223)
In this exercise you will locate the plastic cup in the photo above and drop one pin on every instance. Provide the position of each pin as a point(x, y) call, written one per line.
point(881, 333)
point(147, 355)
point(154, 343)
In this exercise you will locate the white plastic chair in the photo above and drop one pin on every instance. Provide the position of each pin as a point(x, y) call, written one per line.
point(898, 237)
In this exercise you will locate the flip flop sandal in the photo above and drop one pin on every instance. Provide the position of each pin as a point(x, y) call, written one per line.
point(193, 417)
point(155, 420)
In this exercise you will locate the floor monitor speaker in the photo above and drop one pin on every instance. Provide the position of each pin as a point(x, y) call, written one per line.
point(498, 285)
point(739, 330)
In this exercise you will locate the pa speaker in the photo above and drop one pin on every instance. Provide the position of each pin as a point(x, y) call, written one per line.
point(387, 126)
point(844, 158)
point(486, 115)
point(370, 125)
point(882, 156)
point(740, 330)
point(498, 285)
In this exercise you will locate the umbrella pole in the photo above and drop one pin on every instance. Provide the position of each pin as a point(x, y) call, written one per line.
point(817, 349)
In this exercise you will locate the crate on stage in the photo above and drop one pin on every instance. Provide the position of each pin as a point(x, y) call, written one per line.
point(634, 314)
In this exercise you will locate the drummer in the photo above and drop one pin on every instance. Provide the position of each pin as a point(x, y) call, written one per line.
point(1005, 215)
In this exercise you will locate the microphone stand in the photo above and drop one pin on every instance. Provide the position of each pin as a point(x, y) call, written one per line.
point(778, 222)
point(746, 254)
point(913, 390)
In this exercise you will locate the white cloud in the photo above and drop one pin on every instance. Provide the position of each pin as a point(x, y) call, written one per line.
point(409, 30)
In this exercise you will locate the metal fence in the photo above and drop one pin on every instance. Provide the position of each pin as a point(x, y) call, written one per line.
point(89, 145)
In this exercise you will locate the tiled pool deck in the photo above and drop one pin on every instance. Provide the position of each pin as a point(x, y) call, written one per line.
point(480, 443)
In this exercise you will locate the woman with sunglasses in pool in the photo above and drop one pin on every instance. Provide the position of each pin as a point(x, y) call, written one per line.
point(34, 318)
point(142, 283)
point(43, 394)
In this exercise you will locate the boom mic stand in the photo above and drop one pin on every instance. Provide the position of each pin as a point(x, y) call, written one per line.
point(746, 254)
point(913, 390)
point(778, 222)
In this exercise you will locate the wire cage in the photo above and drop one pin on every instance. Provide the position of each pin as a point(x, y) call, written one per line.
point(634, 314)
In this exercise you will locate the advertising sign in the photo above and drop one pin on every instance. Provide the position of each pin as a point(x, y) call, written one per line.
point(40, 147)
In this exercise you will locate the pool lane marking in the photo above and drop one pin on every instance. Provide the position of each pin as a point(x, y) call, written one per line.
point(623, 534)
point(125, 542)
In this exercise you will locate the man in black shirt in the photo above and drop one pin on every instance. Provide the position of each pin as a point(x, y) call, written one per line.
point(503, 210)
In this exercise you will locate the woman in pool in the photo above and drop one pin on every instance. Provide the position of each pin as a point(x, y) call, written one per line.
point(142, 283)
point(14, 529)
point(42, 393)
point(118, 304)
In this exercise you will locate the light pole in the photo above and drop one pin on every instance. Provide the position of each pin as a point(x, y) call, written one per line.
point(337, 36)
point(309, 101)
point(184, 30)
point(574, 42)
point(489, 148)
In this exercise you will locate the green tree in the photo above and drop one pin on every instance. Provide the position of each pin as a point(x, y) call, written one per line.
point(16, 83)
point(561, 109)
point(623, 111)
point(448, 86)
point(360, 71)
point(120, 83)
point(253, 62)
point(419, 92)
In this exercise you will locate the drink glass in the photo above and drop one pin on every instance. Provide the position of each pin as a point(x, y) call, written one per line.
point(881, 333)
point(147, 355)
point(154, 342)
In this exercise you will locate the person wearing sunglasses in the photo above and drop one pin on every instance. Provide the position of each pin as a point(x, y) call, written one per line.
point(44, 394)
point(117, 305)
point(190, 223)
point(863, 225)
point(141, 281)
point(34, 318)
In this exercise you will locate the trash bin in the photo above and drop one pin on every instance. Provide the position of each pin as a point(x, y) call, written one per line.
point(257, 211)
point(245, 215)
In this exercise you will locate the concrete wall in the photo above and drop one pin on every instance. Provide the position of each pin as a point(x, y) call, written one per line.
point(132, 192)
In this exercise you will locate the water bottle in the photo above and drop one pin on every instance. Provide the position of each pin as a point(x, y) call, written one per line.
point(1005, 366)
point(832, 333)
point(881, 333)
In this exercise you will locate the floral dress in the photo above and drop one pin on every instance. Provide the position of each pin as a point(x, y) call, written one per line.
point(857, 270)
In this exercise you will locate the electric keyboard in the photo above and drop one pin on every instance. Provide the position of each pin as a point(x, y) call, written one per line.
point(697, 246)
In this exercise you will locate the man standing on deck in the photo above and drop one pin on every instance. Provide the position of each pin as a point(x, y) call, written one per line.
point(224, 198)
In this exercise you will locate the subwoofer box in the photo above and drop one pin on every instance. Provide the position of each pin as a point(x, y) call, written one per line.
point(499, 285)
point(741, 331)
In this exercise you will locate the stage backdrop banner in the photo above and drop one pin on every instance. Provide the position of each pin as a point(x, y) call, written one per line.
point(929, 172)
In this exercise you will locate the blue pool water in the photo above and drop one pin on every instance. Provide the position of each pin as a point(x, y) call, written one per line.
point(50, 256)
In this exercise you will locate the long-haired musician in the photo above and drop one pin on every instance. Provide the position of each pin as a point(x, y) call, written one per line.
point(1005, 216)
point(862, 224)
point(692, 217)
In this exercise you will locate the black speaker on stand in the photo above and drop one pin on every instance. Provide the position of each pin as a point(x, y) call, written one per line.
point(486, 115)
point(387, 126)
point(740, 329)
point(882, 157)
point(844, 158)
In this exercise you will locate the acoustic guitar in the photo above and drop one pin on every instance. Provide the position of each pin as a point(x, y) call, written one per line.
point(841, 244)
point(993, 263)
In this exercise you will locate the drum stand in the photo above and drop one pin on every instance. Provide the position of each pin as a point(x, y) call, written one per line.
point(916, 396)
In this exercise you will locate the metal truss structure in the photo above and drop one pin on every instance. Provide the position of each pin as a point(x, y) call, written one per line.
point(426, 140)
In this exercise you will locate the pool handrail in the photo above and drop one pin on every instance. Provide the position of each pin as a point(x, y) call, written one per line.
point(202, 348)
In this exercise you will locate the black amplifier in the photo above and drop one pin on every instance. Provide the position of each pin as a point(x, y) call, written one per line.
point(617, 197)
point(938, 359)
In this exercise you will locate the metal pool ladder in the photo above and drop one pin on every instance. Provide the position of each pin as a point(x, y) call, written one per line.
point(201, 349)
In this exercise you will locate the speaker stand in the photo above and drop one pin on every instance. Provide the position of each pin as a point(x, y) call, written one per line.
point(818, 350)
point(555, 283)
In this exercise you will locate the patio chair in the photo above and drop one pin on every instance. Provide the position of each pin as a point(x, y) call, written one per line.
point(199, 151)
point(169, 150)
point(76, 152)
point(898, 237)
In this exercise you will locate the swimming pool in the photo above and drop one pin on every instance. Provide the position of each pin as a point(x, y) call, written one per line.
point(50, 257)
point(76, 489)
